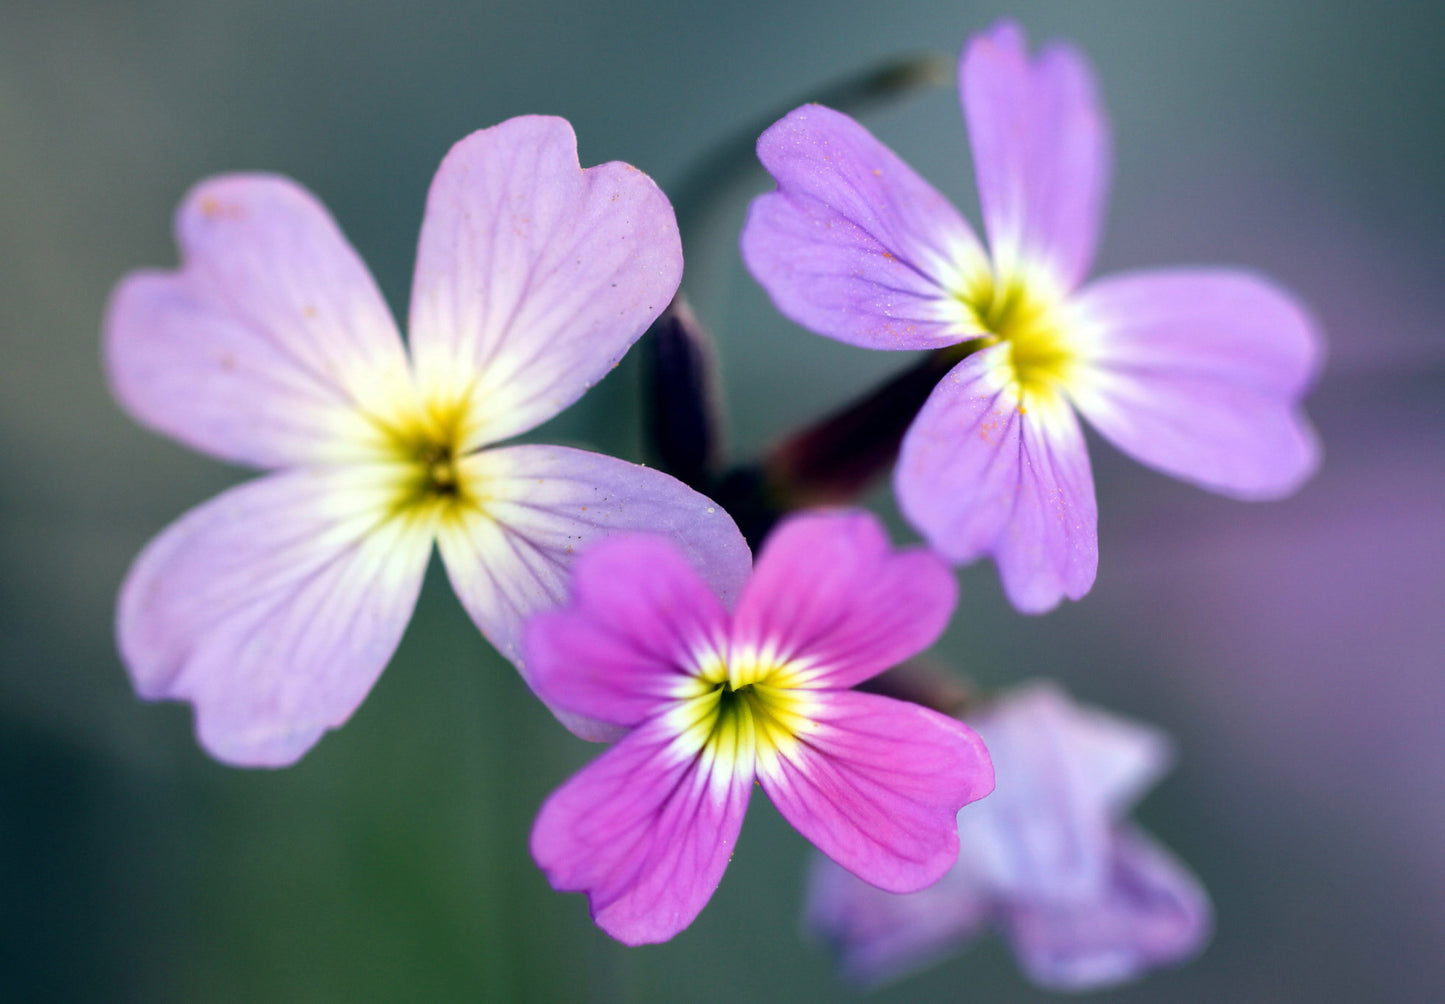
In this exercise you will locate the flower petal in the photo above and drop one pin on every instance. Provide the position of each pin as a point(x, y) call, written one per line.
point(876, 785)
point(271, 343)
point(831, 596)
point(533, 276)
point(1152, 913)
point(1199, 373)
point(853, 244)
point(988, 468)
point(1045, 833)
point(646, 831)
point(1040, 153)
point(1115, 760)
point(541, 507)
point(879, 936)
point(273, 608)
point(639, 623)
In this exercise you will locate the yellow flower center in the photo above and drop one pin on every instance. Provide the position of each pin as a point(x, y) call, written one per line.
point(1013, 314)
point(426, 445)
point(757, 716)
point(754, 721)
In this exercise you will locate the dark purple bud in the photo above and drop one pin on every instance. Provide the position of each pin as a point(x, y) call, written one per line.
point(681, 397)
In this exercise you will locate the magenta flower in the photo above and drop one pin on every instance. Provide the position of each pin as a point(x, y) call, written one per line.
point(1085, 898)
point(1197, 372)
point(274, 607)
point(714, 701)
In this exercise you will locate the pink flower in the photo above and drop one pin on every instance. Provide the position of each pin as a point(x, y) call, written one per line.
point(1197, 372)
point(1085, 898)
point(715, 700)
point(274, 607)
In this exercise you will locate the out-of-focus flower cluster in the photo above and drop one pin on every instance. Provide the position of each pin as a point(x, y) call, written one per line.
point(1084, 896)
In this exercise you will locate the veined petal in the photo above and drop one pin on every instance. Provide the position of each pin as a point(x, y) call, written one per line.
point(534, 276)
point(640, 623)
point(273, 608)
point(878, 936)
point(1199, 373)
point(646, 831)
point(270, 345)
point(539, 507)
point(1040, 153)
point(1152, 912)
point(831, 597)
point(853, 244)
point(991, 468)
point(876, 784)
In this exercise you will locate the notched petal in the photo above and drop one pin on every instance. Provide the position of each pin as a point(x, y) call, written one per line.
point(645, 831)
point(831, 592)
point(989, 468)
point(534, 276)
point(272, 608)
point(853, 244)
point(1199, 373)
point(1040, 151)
point(271, 345)
point(877, 784)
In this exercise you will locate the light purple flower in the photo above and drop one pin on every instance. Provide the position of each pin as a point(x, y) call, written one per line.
point(1085, 898)
point(716, 700)
point(1195, 371)
point(274, 607)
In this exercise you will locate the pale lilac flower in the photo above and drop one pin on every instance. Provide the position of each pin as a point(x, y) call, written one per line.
point(716, 700)
point(274, 607)
point(1085, 898)
point(1195, 371)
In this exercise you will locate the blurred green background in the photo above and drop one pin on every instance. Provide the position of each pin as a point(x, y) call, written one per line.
point(1295, 649)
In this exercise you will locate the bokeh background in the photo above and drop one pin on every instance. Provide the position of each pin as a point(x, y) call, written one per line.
point(1295, 649)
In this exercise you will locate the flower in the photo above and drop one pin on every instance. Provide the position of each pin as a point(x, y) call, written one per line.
point(1085, 898)
point(715, 700)
point(1195, 371)
point(274, 607)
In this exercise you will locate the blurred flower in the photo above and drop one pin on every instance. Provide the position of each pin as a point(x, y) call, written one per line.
point(715, 701)
point(1197, 372)
point(1085, 898)
point(274, 607)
